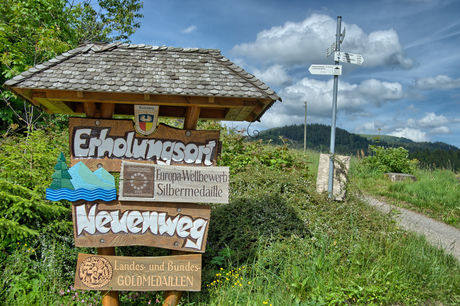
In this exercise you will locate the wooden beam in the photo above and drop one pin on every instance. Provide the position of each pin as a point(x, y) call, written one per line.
point(255, 112)
point(191, 117)
point(90, 109)
point(107, 110)
point(130, 98)
point(58, 107)
point(109, 298)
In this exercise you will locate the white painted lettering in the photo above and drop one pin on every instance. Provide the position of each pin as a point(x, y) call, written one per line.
point(85, 222)
point(79, 142)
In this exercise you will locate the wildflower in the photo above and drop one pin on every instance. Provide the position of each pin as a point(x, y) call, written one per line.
point(157, 301)
point(249, 283)
point(61, 292)
point(265, 302)
point(149, 302)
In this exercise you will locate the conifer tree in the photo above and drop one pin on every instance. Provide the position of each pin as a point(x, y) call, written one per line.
point(61, 177)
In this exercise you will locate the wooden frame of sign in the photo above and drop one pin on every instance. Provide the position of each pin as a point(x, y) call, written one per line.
point(161, 183)
point(175, 226)
point(96, 272)
point(101, 142)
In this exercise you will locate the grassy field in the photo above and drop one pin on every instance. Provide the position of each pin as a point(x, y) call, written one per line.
point(436, 193)
point(276, 243)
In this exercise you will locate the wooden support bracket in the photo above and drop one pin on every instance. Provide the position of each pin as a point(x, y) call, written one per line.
point(191, 117)
point(172, 298)
point(109, 298)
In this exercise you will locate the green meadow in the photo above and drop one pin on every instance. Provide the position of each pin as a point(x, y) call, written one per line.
point(278, 242)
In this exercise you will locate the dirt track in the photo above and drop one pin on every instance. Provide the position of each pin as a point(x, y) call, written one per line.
point(437, 233)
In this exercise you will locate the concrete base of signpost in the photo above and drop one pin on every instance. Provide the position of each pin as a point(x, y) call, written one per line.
point(341, 166)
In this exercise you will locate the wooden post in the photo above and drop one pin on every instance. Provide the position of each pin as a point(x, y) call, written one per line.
point(192, 114)
point(109, 298)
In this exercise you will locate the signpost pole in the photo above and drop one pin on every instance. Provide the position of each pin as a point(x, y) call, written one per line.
point(109, 298)
point(334, 111)
point(192, 114)
point(305, 130)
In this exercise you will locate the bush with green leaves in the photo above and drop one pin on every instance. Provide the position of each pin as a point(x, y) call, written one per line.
point(26, 167)
point(390, 160)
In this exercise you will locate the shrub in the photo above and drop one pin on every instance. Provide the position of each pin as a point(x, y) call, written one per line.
point(264, 204)
point(390, 160)
point(26, 166)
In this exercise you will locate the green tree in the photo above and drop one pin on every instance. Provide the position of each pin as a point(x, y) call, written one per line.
point(33, 31)
point(61, 177)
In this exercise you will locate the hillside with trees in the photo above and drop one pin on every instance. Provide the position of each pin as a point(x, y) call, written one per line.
point(433, 155)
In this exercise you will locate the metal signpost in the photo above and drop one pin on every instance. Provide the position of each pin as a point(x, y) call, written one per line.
point(335, 70)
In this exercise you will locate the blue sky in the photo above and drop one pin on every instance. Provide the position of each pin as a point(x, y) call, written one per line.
point(408, 85)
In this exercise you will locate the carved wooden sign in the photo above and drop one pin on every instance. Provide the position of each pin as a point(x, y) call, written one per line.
point(160, 183)
point(99, 142)
point(173, 226)
point(180, 273)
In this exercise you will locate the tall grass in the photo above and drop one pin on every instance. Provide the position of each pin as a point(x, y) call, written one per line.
point(436, 193)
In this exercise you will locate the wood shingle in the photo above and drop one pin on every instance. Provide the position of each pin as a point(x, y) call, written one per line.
point(127, 74)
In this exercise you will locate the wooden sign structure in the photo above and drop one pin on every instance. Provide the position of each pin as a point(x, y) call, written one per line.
point(96, 272)
point(159, 183)
point(103, 142)
point(181, 227)
point(99, 142)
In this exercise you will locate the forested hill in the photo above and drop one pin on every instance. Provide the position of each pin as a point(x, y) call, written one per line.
point(436, 154)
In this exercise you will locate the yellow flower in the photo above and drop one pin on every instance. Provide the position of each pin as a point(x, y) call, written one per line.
point(249, 283)
point(265, 302)
point(221, 268)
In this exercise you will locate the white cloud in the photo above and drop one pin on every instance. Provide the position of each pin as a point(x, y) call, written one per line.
point(440, 130)
point(189, 29)
point(371, 127)
point(432, 120)
point(352, 97)
point(274, 75)
point(437, 82)
point(409, 133)
point(305, 42)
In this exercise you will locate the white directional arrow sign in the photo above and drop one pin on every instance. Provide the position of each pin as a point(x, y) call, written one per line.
point(346, 57)
point(326, 69)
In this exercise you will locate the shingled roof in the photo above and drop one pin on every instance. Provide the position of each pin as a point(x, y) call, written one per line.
point(127, 74)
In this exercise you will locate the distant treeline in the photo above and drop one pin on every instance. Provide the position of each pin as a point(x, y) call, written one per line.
point(437, 154)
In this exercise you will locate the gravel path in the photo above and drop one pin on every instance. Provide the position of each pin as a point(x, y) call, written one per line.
point(437, 233)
